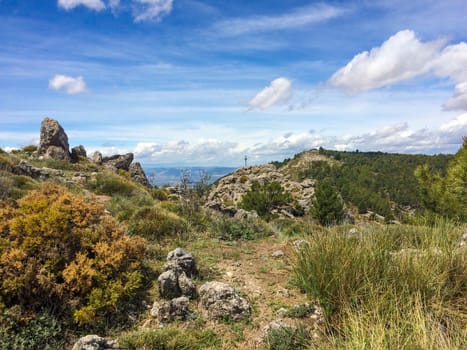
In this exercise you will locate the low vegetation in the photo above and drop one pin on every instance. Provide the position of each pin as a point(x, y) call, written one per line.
point(79, 258)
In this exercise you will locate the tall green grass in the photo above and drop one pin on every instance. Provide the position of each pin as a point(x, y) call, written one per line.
point(391, 287)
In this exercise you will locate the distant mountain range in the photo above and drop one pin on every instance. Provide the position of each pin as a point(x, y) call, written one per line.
point(161, 176)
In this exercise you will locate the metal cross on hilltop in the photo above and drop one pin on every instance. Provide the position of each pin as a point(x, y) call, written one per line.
point(246, 158)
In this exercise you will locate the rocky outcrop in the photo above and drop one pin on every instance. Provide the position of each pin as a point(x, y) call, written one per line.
point(228, 192)
point(77, 152)
point(222, 301)
point(138, 175)
point(24, 168)
point(53, 141)
point(176, 309)
point(94, 342)
point(118, 161)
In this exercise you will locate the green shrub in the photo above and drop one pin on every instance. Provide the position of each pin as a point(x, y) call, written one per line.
point(155, 223)
point(29, 149)
point(287, 338)
point(169, 338)
point(263, 198)
point(232, 229)
point(111, 184)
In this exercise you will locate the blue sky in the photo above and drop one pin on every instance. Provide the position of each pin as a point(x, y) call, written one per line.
point(204, 82)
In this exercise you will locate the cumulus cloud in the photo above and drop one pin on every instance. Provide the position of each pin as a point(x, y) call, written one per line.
point(278, 91)
point(458, 124)
point(68, 84)
point(152, 10)
point(96, 5)
point(402, 57)
point(296, 18)
point(399, 58)
point(459, 99)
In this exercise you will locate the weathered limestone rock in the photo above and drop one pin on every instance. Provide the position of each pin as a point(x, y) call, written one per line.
point(176, 309)
point(94, 342)
point(77, 152)
point(168, 284)
point(53, 141)
point(119, 161)
point(222, 301)
point(80, 178)
point(24, 168)
point(138, 175)
point(186, 285)
point(97, 157)
point(183, 260)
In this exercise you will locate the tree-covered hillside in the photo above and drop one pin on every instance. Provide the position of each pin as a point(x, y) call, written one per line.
point(374, 180)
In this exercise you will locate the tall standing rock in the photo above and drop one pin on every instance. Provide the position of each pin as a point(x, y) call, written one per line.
point(54, 141)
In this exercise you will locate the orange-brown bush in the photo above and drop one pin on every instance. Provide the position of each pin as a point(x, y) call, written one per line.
point(58, 249)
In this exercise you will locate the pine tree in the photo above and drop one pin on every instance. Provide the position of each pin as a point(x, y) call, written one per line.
point(328, 207)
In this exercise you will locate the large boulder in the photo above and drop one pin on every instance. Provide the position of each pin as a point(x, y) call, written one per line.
point(222, 301)
point(118, 161)
point(94, 342)
point(53, 141)
point(138, 175)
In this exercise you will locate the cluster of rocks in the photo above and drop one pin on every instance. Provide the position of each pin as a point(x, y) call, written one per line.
point(54, 145)
point(228, 192)
point(176, 285)
point(217, 300)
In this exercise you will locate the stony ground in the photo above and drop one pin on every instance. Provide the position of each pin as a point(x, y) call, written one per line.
point(260, 271)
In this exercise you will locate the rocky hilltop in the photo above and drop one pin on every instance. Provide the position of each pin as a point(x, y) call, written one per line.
point(228, 192)
point(54, 145)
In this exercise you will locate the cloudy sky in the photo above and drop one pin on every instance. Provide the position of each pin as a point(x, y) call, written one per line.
point(206, 82)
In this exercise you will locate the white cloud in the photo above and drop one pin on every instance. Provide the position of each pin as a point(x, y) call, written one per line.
point(399, 58)
point(458, 124)
point(297, 18)
point(68, 84)
point(458, 100)
point(452, 63)
point(403, 57)
point(278, 91)
point(96, 5)
point(152, 10)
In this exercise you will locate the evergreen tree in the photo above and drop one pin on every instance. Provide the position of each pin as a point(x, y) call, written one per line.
point(446, 195)
point(328, 207)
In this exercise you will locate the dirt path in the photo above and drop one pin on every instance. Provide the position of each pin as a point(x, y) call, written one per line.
point(261, 271)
